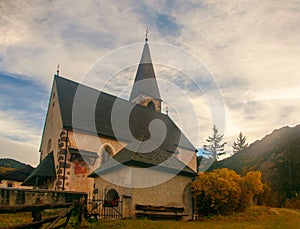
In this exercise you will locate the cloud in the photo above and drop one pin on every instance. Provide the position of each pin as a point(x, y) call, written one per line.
point(24, 152)
point(15, 128)
point(42, 34)
point(23, 105)
point(159, 17)
point(250, 47)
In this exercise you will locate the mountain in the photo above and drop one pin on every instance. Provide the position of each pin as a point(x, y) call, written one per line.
point(277, 156)
point(8, 164)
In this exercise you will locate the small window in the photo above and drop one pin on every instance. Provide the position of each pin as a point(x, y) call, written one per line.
point(9, 185)
point(151, 105)
point(106, 154)
point(49, 145)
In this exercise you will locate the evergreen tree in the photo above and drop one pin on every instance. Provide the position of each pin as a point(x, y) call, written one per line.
point(215, 147)
point(239, 144)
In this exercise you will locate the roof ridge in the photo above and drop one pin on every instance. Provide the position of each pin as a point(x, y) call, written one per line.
point(128, 157)
point(140, 116)
point(88, 87)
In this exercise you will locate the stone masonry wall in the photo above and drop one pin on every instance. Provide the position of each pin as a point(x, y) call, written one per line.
point(62, 163)
point(13, 196)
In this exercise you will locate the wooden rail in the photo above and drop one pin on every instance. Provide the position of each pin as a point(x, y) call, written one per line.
point(14, 200)
point(32, 207)
point(37, 216)
point(66, 213)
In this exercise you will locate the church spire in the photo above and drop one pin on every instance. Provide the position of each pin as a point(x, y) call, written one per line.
point(145, 88)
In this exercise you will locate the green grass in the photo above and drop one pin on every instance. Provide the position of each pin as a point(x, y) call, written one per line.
point(18, 218)
point(255, 217)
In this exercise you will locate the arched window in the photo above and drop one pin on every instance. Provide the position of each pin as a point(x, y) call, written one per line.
point(111, 199)
point(151, 105)
point(49, 145)
point(106, 154)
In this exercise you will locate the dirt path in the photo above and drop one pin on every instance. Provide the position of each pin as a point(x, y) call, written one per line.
point(275, 210)
point(290, 210)
point(278, 211)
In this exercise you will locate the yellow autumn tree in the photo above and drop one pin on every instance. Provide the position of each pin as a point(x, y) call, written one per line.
point(217, 192)
point(223, 191)
point(267, 197)
point(251, 185)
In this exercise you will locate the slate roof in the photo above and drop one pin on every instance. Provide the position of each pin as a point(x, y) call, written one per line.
point(88, 110)
point(45, 169)
point(158, 159)
point(145, 80)
point(18, 174)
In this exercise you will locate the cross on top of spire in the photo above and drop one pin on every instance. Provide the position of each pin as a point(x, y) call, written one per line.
point(146, 35)
point(57, 70)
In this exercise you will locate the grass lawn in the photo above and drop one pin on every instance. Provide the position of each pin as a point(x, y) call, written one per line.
point(255, 217)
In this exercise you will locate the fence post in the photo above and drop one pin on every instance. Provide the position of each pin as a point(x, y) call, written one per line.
point(37, 216)
point(80, 210)
point(37, 213)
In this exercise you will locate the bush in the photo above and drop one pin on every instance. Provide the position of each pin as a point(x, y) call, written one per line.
point(267, 197)
point(292, 203)
point(223, 191)
point(251, 185)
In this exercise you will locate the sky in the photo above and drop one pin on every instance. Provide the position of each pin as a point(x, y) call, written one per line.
point(248, 53)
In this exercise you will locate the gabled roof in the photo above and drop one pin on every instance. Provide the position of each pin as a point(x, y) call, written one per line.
point(45, 169)
point(145, 80)
point(158, 159)
point(88, 110)
point(18, 174)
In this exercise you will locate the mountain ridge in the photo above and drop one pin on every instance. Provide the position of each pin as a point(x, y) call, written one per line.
point(9, 164)
point(277, 156)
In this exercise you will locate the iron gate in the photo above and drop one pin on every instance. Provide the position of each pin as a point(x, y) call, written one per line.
point(106, 204)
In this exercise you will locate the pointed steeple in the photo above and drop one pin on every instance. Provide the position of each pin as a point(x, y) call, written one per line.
point(145, 87)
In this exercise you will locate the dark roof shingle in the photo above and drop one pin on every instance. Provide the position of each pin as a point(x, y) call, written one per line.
point(45, 169)
point(88, 110)
point(141, 157)
point(145, 80)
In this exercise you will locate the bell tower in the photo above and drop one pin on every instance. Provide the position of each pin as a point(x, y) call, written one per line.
point(145, 88)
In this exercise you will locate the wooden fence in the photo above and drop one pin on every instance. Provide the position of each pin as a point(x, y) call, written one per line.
point(36, 201)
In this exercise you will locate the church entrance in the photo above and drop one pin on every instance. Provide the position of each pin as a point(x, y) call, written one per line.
point(107, 204)
point(111, 199)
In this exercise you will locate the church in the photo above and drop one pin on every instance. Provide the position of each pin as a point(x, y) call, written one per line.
point(117, 151)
